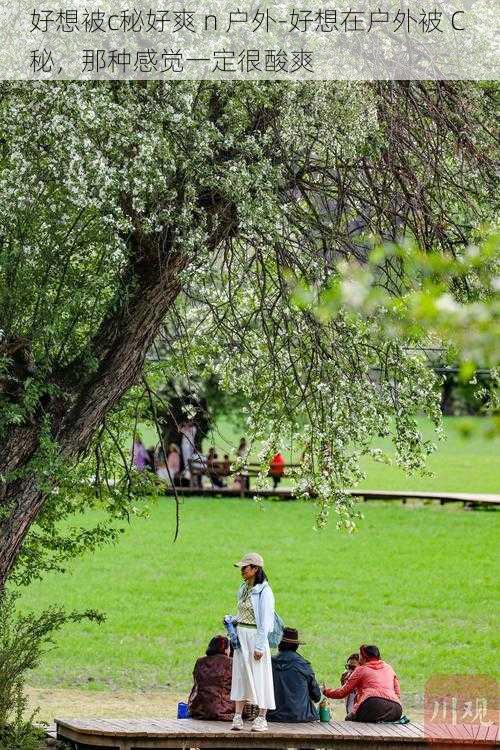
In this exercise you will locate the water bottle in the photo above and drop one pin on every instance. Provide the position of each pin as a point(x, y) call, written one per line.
point(182, 710)
point(324, 711)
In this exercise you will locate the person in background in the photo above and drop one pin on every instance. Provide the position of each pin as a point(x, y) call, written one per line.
point(242, 479)
point(277, 469)
point(188, 432)
point(198, 467)
point(151, 451)
point(378, 695)
point(161, 469)
point(209, 698)
point(238, 483)
point(158, 455)
point(174, 462)
point(213, 468)
point(226, 466)
point(242, 448)
point(140, 456)
point(351, 664)
point(295, 686)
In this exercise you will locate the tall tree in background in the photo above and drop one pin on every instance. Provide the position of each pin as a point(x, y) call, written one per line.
point(130, 211)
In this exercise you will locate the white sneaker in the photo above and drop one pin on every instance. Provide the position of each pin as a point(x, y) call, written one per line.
point(237, 722)
point(259, 724)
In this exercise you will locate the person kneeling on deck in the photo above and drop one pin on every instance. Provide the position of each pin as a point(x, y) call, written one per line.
point(209, 699)
point(378, 696)
point(295, 686)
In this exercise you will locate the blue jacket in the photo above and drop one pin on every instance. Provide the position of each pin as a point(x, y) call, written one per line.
point(262, 599)
point(295, 689)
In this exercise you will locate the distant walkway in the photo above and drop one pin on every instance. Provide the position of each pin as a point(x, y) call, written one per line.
point(470, 499)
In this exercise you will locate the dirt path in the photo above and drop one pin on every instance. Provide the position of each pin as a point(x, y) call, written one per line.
point(82, 703)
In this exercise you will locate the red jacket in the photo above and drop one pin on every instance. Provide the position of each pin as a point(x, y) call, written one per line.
point(375, 679)
point(277, 468)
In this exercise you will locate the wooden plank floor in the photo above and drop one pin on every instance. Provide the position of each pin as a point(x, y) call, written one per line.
point(470, 498)
point(146, 734)
point(478, 498)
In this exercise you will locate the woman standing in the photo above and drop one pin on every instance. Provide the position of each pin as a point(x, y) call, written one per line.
point(252, 675)
point(188, 432)
point(174, 463)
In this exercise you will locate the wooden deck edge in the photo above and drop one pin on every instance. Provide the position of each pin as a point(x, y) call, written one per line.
point(318, 736)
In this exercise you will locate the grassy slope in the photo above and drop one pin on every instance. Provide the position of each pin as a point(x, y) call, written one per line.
point(421, 582)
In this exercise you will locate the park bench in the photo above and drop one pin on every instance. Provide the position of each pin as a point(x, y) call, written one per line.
point(251, 470)
point(160, 734)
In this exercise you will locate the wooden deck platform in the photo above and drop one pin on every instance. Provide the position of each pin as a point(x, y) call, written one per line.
point(469, 498)
point(160, 734)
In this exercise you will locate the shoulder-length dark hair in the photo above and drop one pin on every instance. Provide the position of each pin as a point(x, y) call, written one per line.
point(218, 645)
point(260, 575)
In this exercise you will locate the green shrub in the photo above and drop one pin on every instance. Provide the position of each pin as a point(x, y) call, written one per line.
point(24, 638)
point(20, 733)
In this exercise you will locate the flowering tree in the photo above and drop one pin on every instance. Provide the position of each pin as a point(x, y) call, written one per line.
point(193, 211)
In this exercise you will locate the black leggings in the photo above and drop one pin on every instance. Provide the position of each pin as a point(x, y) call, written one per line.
point(378, 709)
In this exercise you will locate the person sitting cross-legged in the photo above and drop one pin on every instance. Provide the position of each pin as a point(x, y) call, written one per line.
point(295, 686)
point(351, 664)
point(378, 695)
point(210, 696)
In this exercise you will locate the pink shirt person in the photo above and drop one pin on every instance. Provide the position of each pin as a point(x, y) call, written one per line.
point(374, 679)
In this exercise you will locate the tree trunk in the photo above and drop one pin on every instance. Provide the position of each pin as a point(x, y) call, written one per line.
point(27, 502)
point(150, 284)
point(120, 347)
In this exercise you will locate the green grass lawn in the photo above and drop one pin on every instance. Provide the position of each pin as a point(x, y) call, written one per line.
point(421, 582)
point(463, 462)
